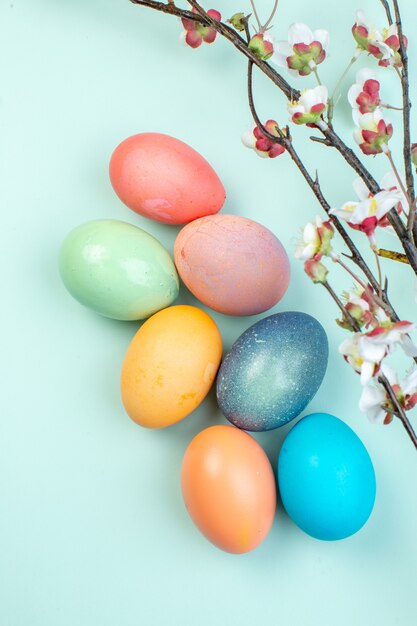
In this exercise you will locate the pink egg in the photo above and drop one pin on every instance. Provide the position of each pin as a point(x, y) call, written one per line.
point(232, 264)
point(162, 178)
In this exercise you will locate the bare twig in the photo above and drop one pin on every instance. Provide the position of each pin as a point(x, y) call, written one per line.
point(387, 11)
point(255, 12)
point(400, 185)
point(322, 140)
point(378, 265)
point(271, 17)
point(408, 168)
point(353, 323)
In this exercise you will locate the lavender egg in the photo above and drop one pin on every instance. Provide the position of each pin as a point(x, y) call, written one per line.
point(272, 371)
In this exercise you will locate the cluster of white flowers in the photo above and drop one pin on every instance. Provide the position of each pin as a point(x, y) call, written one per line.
point(371, 211)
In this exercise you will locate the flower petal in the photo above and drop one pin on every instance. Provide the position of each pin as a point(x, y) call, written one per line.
point(361, 19)
point(248, 139)
point(365, 74)
point(385, 201)
point(371, 351)
point(282, 50)
point(322, 36)
point(409, 384)
point(353, 94)
point(360, 189)
point(367, 371)
point(299, 33)
point(370, 403)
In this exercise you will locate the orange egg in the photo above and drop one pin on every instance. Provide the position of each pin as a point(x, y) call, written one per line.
point(229, 488)
point(170, 365)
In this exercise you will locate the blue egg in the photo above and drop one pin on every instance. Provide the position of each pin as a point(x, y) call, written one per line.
point(326, 478)
point(272, 371)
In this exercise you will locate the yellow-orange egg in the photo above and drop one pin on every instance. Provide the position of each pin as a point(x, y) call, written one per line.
point(229, 488)
point(170, 365)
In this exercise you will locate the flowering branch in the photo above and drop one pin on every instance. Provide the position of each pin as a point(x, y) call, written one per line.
point(292, 94)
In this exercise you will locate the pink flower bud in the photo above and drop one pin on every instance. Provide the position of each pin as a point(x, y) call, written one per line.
point(310, 107)
point(392, 42)
point(237, 21)
point(373, 132)
point(316, 270)
point(263, 145)
point(262, 46)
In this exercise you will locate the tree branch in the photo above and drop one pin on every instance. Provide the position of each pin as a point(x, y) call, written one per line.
point(409, 178)
point(285, 140)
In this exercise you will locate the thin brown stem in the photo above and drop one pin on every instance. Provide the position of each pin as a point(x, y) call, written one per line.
point(255, 12)
point(350, 272)
point(353, 323)
point(389, 106)
point(271, 17)
point(332, 98)
point(378, 265)
point(399, 411)
point(398, 177)
point(387, 11)
point(405, 87)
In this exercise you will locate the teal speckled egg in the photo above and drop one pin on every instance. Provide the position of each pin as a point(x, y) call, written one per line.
point(118, 270)
point(272, 371)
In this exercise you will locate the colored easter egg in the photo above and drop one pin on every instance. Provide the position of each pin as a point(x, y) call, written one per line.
point(232, 264)
point(229, 488)
point(118, 270)
point(326, 478)
point(170, 365)
point(164, 179)
point(272, 371)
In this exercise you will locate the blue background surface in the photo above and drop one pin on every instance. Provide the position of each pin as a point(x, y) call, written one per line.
point(93, 530)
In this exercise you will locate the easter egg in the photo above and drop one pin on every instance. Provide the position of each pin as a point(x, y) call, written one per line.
point(118, 270)
point(326, 478)
point(229, 488)
point(170, 365)
point(272, 371)
point(164, 179)
point(232, 264)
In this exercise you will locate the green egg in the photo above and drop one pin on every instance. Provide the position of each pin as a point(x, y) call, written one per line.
point(118, 270)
